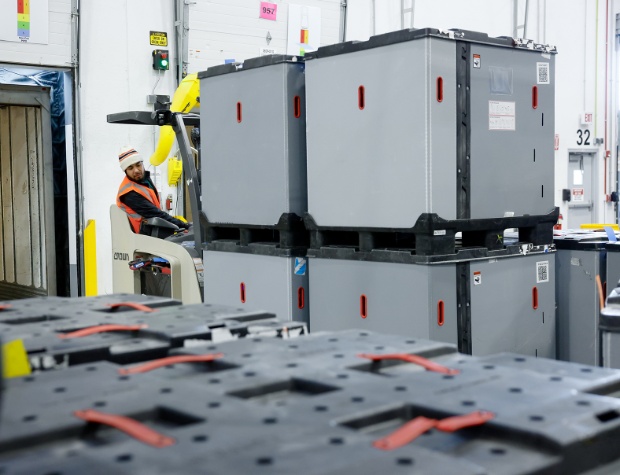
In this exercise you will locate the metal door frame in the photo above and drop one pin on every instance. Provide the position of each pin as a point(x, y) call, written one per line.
point(15, 95)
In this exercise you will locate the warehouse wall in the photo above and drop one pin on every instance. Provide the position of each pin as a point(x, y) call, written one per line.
point(232, 30)
point(57, 51)
point(117, 76)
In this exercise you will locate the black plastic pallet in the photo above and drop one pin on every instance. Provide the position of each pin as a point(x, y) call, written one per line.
point(288, 233)
point(326, 402)
point(256, 248)
point(432, 235)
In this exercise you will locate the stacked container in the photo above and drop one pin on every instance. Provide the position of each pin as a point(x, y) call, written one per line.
point(254, 184)
point(613, 263)
point(609, 329)
point(415, 137)
point(582, 274)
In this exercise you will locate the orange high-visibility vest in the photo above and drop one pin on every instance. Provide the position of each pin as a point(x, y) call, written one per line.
point(128, 185)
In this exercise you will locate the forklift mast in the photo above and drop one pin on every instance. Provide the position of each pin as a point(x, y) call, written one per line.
point(178, 121)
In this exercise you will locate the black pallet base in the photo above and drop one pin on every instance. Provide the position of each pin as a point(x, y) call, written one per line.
point(261, 249)
point(288, 233)
point(433, 235)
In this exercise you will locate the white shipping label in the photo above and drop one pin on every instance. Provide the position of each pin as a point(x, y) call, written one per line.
point(542, 272)
point(477, 278)
point(502, 115)
point(542, 73)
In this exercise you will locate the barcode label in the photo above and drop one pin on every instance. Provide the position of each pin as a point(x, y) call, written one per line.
point(543, 73)
point(542, 272)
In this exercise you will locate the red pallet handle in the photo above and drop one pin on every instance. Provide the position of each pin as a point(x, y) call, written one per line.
point(415, 359)
point(170, 360)
point(405, 434)
point(134, 305)
point(129, 426)
point(452, 424)
point(418, 426)
point(101, 329)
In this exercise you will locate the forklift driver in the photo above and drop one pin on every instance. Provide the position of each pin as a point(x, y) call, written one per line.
point(137, 195)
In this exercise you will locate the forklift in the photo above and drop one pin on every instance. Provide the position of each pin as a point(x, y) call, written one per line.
point(168, 260)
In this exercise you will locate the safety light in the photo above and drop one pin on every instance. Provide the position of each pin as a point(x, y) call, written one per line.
point(161, 60)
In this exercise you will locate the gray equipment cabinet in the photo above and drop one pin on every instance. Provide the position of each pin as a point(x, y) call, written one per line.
point(581, 262)
point(253, 140)
point(609, 326)
point(613, 264)
point(259, 278)
point(486, 305)
point(419, 121)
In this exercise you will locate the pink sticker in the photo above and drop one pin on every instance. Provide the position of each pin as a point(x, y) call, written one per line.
point(268, 10)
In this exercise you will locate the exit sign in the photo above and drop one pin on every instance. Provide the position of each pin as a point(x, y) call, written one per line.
point(587, 118)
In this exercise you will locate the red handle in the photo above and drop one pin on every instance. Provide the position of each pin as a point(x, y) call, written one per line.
point(239, 112)
point(415, 359)
point(242, 292)
point(170, 360)
point(131, 427)
point(441, 313)
point(5, 307)
point(534, 97)
point(405, 434)
point(101, 329)
point(301, 298)
point(363, 306)
point(418, 426)
point(535, 298)
point(134, 305)
point(297, 107)
point(439, 89)
point(361, 97)
point(452, 424)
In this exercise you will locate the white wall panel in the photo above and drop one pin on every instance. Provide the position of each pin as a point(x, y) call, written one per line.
point(117, 76)
point(58, 50)
point(232, 29)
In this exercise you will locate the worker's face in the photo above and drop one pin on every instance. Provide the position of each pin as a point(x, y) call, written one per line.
point(135, 171)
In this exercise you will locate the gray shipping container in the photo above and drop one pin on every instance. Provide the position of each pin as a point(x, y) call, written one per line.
point(275, 283)
point(613, 264)
point(485, 306)
point(253, 143)
point(428, 121)
point(581, 264)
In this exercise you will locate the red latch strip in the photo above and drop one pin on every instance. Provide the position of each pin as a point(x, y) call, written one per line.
point(170, 360)
point(452, 424)
point(418, 426)
point(415, 359)
point(134, 305)
point(131, 427)
point(101, 329)
point(405, 434)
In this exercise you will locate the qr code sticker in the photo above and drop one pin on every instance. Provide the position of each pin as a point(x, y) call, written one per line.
point(543, 73)
point(542, 272)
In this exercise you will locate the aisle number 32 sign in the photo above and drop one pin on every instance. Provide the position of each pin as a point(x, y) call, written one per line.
point(268, 10)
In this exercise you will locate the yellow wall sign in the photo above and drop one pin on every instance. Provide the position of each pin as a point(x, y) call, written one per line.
point(159, 38)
